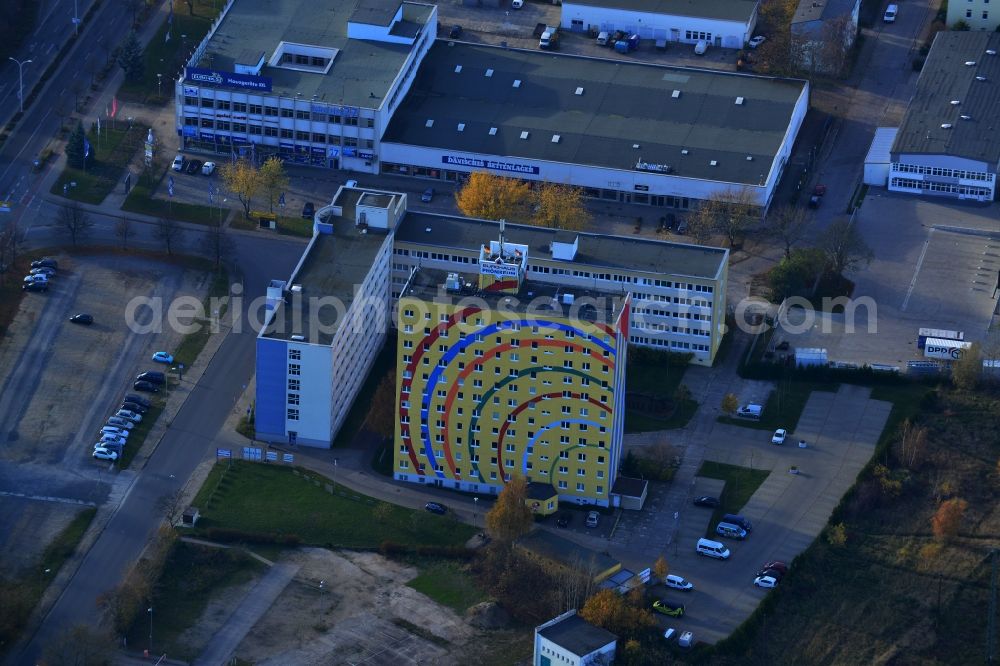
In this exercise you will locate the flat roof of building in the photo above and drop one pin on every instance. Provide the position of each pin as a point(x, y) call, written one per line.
point(600, 250)
point(541, 299)
point(598, 112)
point(361, 68)
point(934, 123)
point(331, 268)
point(576, 635)
point(729, 10)
point(815, 10)
point(569, 553)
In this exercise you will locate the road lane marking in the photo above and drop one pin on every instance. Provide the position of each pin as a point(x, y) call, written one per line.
point(916, 271)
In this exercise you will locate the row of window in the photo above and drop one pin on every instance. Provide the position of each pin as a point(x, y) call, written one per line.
point(267, 111)
point(280, 132)
point(641, 298)
point(299, 59)
point(951, 188)
point(665, 328)
point(672, 344)
point(696, 34)
point(511, 448)
point(676, 314)
point(562, 485)
point(968, 13)
point(941, 171)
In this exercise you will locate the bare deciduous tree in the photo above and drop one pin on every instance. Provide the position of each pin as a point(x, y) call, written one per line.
point(171, 505)
point(844, 247)
point(123, 230)
point(218, 243)
point(789, 224)
point(911, 447)
point(170, 233)
point(75, 222)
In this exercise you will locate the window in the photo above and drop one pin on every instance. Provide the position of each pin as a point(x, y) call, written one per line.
point(968, 13)
point(293, 415)
point(239, 107)
point(579, 487)
point(293, 385)
point(256, 109)
point(294, 369)
point(293, 398)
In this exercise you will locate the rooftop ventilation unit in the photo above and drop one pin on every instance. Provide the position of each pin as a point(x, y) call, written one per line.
point(749, 158)
point(970, 63)
point(493, 131)
point(684, 151)
point(429, 123)
point(452, 282)
point(517, 83)
point(739, 100)
point(990, 52)
point(964, 117)
point(555, 138)
point(980, 78)
point(713, 163)
point(955, 102)
point(675, 94)
point(489, 73)
point(579, 91)
point(945, 125)
point(458, 69)
point(635, 145)
point(461, 127)
point(296, 289)
point(525, 135)
point(298, 338)
point(568, 299)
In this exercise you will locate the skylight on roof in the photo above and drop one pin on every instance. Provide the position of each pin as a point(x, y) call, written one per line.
point(713, 163)
point(517, 83)
point(461, 127)
point(489, 73)
point(555, 138)
point(429, 123)
point(739, 100)
point(525, 134)
point(579, 90)
point(458, 69)
point(675, 94)
point(493, 131)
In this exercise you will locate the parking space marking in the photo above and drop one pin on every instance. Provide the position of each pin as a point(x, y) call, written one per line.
point(47, 498)
point(916, 270)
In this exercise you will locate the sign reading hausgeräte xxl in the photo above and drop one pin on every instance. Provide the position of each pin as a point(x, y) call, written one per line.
point(213, 77)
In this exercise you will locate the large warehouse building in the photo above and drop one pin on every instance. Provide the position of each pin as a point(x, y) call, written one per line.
point(725, 23)
point(327, 321)
point(622, 131)
point(949, 142)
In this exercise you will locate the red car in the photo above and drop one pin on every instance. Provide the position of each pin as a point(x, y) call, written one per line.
point(820, 190)
point(776, 565)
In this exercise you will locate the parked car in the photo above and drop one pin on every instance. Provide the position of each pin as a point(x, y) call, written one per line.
point(163, 357)
point(700, 47)
point(564, 519)
point(682, 227)
point(308, 210)
point(765, 581)
point(141, 385)
point(35, 286)
point(28, 279)
point(112, 440)
point(777, 565)
point(665, 607)
point(773, 573)
point(756, 41)
point(178, 164)
point(114, 430)
point(779, 436)
point(119, 422)
point(151, 376)
point(44, 270)
point(707, 500)
point(593, 518)
point(45, 263)
point(351, 183)
point(193, 167)
point(819, 190)
point(434, 507)
point(134, 407)
point(815, 201)
point(138, 399)
point(82, 318)
point(669, 633)
point(686, 640)
point(516, 4)
point(676, 582)
point(134, 417)
point(102, 453)
point(208, 168)
point(455, 32)
point(428, 195)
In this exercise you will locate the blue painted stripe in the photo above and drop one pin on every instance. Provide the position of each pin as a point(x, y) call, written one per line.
point(531, 443)
point(272, 369)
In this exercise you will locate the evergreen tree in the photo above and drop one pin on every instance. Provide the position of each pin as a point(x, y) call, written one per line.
point(75, 148)
point(130, 58)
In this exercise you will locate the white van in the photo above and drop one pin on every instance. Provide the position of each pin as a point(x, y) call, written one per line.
point(710, 548)
point(750, 411)
point(890, 14)
point(602, 38)
point(700, 47)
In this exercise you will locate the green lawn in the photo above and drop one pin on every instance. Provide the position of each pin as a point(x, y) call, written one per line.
point(637, 421)
point(448, 583)
point(741, 484)
point(191, 575)
point(784, 406)
point(20, 595)
point(254, 497)
point(191, 346)
point(140, 200)
point(112, 151)
point(167, 57)
point(286, 226)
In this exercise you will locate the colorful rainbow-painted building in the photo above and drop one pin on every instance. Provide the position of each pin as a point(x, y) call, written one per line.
point(499, 375)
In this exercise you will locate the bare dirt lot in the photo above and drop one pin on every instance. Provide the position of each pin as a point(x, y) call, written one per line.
point(60, 381)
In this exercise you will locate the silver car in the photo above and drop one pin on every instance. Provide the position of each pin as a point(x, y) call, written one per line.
point(134, 417)
point(120, 422)
point(114, 430)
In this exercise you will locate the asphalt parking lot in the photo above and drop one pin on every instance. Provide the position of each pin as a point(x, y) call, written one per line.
point(935, 266)
point(60, 381)
point(788, 511)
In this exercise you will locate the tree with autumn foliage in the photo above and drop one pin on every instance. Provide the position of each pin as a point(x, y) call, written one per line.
point(621, 614)
point(560, 207)
point(491, 197)
point(948, 518)
point(661, 568)
point(510, 516)
point(244, 180)
point(273, 180)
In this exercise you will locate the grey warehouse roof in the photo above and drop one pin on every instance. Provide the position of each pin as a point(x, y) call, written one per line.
point(626, 112)
point(361, 68)
point(614, 252)
point(815, 10)
point(947, 77)
point(578, 636)
point(731, 10)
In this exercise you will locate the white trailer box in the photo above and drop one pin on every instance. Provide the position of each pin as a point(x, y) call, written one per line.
point(810, 356)
point(948, 350)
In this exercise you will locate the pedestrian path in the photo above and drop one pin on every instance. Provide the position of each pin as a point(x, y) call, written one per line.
point(251, 609)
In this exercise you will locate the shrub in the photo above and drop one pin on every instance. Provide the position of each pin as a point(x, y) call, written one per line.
point(227, 535)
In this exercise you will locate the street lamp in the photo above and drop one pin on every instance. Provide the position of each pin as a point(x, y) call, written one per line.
point(20, 79)
point(159, 84)
point(475, 512)
point(150, 611)
point(76, 17)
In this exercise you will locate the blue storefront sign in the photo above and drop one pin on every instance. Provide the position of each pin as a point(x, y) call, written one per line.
point(332, 151)
point(286, 146)
point(227, 79)
point(366, 155)
point(190, 131)
point(205, 136)
point(334, 110)
point(318, 150)
point(493, 165)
